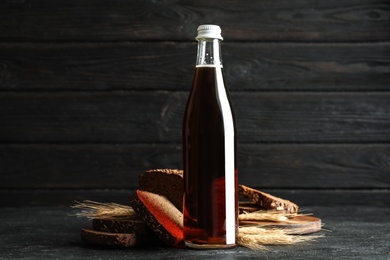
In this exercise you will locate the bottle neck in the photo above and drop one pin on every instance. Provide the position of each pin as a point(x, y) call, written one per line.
point(209, 53)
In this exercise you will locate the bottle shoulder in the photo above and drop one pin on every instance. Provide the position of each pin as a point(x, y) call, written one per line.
point(209, 66)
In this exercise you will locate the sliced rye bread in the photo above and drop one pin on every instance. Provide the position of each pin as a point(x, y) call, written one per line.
point(165, 182)
point(99, 238)
point(113, 232)
point(160, 215)
point(170, 183)
point(267, 201)
point(125, 226)
point(247, 207)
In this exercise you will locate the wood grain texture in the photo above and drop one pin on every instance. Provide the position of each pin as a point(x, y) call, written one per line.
point(119, 20)
point(170, 66)
point(88, 166)
point(157, 117)
point(92, 93)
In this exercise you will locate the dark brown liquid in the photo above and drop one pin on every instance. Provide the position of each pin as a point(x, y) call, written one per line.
point(206, 129)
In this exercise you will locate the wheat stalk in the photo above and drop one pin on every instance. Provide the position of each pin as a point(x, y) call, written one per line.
point(270, 215)
point(93, 209)
point(253, 236)
point(256, 237)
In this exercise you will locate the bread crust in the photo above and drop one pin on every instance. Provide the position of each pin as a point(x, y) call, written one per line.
point(120, 226)
point(112, 239)
point(267, 201)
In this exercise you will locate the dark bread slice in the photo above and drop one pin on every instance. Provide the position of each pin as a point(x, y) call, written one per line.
point(160, 215)
point(165, 182)
point(135, 225)
point(267, 201)
point(247, 207)
point(113, 239)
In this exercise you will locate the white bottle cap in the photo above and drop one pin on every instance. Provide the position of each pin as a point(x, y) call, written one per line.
point(207, 31)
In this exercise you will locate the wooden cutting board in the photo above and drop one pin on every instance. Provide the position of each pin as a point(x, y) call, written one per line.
point(298, 225)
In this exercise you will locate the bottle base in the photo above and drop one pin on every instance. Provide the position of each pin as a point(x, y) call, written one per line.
point(209, 246)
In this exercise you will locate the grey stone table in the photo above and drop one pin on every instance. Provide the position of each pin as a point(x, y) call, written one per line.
point(51, 233)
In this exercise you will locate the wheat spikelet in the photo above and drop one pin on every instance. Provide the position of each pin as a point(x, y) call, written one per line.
point(93, 209)
point(256, 237)
point(270, 215)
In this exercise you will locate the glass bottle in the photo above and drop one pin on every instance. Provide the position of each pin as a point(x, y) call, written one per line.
point(210, 205)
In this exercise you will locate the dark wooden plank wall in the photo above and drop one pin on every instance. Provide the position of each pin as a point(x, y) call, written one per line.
point(92, 93)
